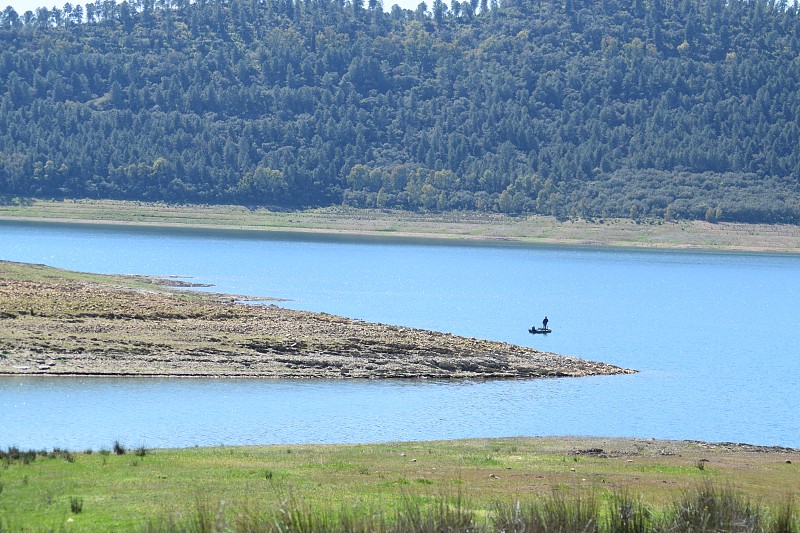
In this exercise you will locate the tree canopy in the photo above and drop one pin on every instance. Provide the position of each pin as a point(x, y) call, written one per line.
point(589, 108)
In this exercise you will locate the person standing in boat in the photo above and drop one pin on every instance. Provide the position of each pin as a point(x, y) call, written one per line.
point(544, 323)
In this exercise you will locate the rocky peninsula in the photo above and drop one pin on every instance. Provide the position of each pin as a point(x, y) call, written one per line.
point(56, 322)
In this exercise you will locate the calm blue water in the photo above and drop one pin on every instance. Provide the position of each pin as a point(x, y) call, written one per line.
point(716, 338)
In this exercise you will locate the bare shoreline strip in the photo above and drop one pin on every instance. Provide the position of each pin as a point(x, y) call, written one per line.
point(54, 322)
point(453, 227)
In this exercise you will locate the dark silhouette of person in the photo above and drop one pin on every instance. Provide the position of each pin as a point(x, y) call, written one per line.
point(544, 323)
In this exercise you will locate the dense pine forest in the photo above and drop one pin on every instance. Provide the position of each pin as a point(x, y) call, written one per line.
point(574, 108)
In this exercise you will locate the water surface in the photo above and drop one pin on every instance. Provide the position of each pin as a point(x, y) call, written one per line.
point(715, 337)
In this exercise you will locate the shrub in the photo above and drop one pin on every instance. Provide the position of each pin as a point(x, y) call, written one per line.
point(76, 505)
point(62, 454)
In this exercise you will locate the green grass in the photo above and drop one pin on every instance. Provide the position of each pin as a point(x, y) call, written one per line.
point(380, 485)
point(704, 509)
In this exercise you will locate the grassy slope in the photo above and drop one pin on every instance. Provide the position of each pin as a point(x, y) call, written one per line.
point(475, 226)
point(125, 491)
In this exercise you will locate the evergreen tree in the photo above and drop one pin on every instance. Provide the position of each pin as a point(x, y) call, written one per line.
point(682, 110)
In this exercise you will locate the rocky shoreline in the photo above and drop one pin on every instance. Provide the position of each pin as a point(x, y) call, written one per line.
point(55, 324)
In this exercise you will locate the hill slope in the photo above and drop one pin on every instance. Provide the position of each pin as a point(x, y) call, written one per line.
point(580, 108)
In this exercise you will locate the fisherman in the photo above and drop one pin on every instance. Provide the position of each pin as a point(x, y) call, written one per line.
point(544, 323)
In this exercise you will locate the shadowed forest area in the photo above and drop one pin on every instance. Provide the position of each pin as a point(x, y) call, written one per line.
point(673, 109)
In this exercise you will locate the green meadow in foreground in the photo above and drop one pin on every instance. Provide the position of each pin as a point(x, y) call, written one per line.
point(567, 484)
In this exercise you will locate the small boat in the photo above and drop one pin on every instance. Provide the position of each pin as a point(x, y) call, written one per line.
point(535, 330)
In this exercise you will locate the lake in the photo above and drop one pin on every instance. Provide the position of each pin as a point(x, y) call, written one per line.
point(715, 338)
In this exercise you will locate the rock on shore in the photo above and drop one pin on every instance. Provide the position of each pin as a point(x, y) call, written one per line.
point(58, 325)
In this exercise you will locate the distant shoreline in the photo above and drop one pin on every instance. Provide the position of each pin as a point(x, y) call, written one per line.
point(443, 227)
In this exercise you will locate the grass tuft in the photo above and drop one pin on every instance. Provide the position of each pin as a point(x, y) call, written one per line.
point(443, 516)
point(710, 509)
point(627, 515)
point(14, 454)
point(76, 505)
point(119, 449)
point(784, 520)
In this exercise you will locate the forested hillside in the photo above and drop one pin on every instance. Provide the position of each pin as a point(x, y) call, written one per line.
point(589, 108)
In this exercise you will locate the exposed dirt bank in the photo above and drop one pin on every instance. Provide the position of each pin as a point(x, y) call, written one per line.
point(57, 323)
